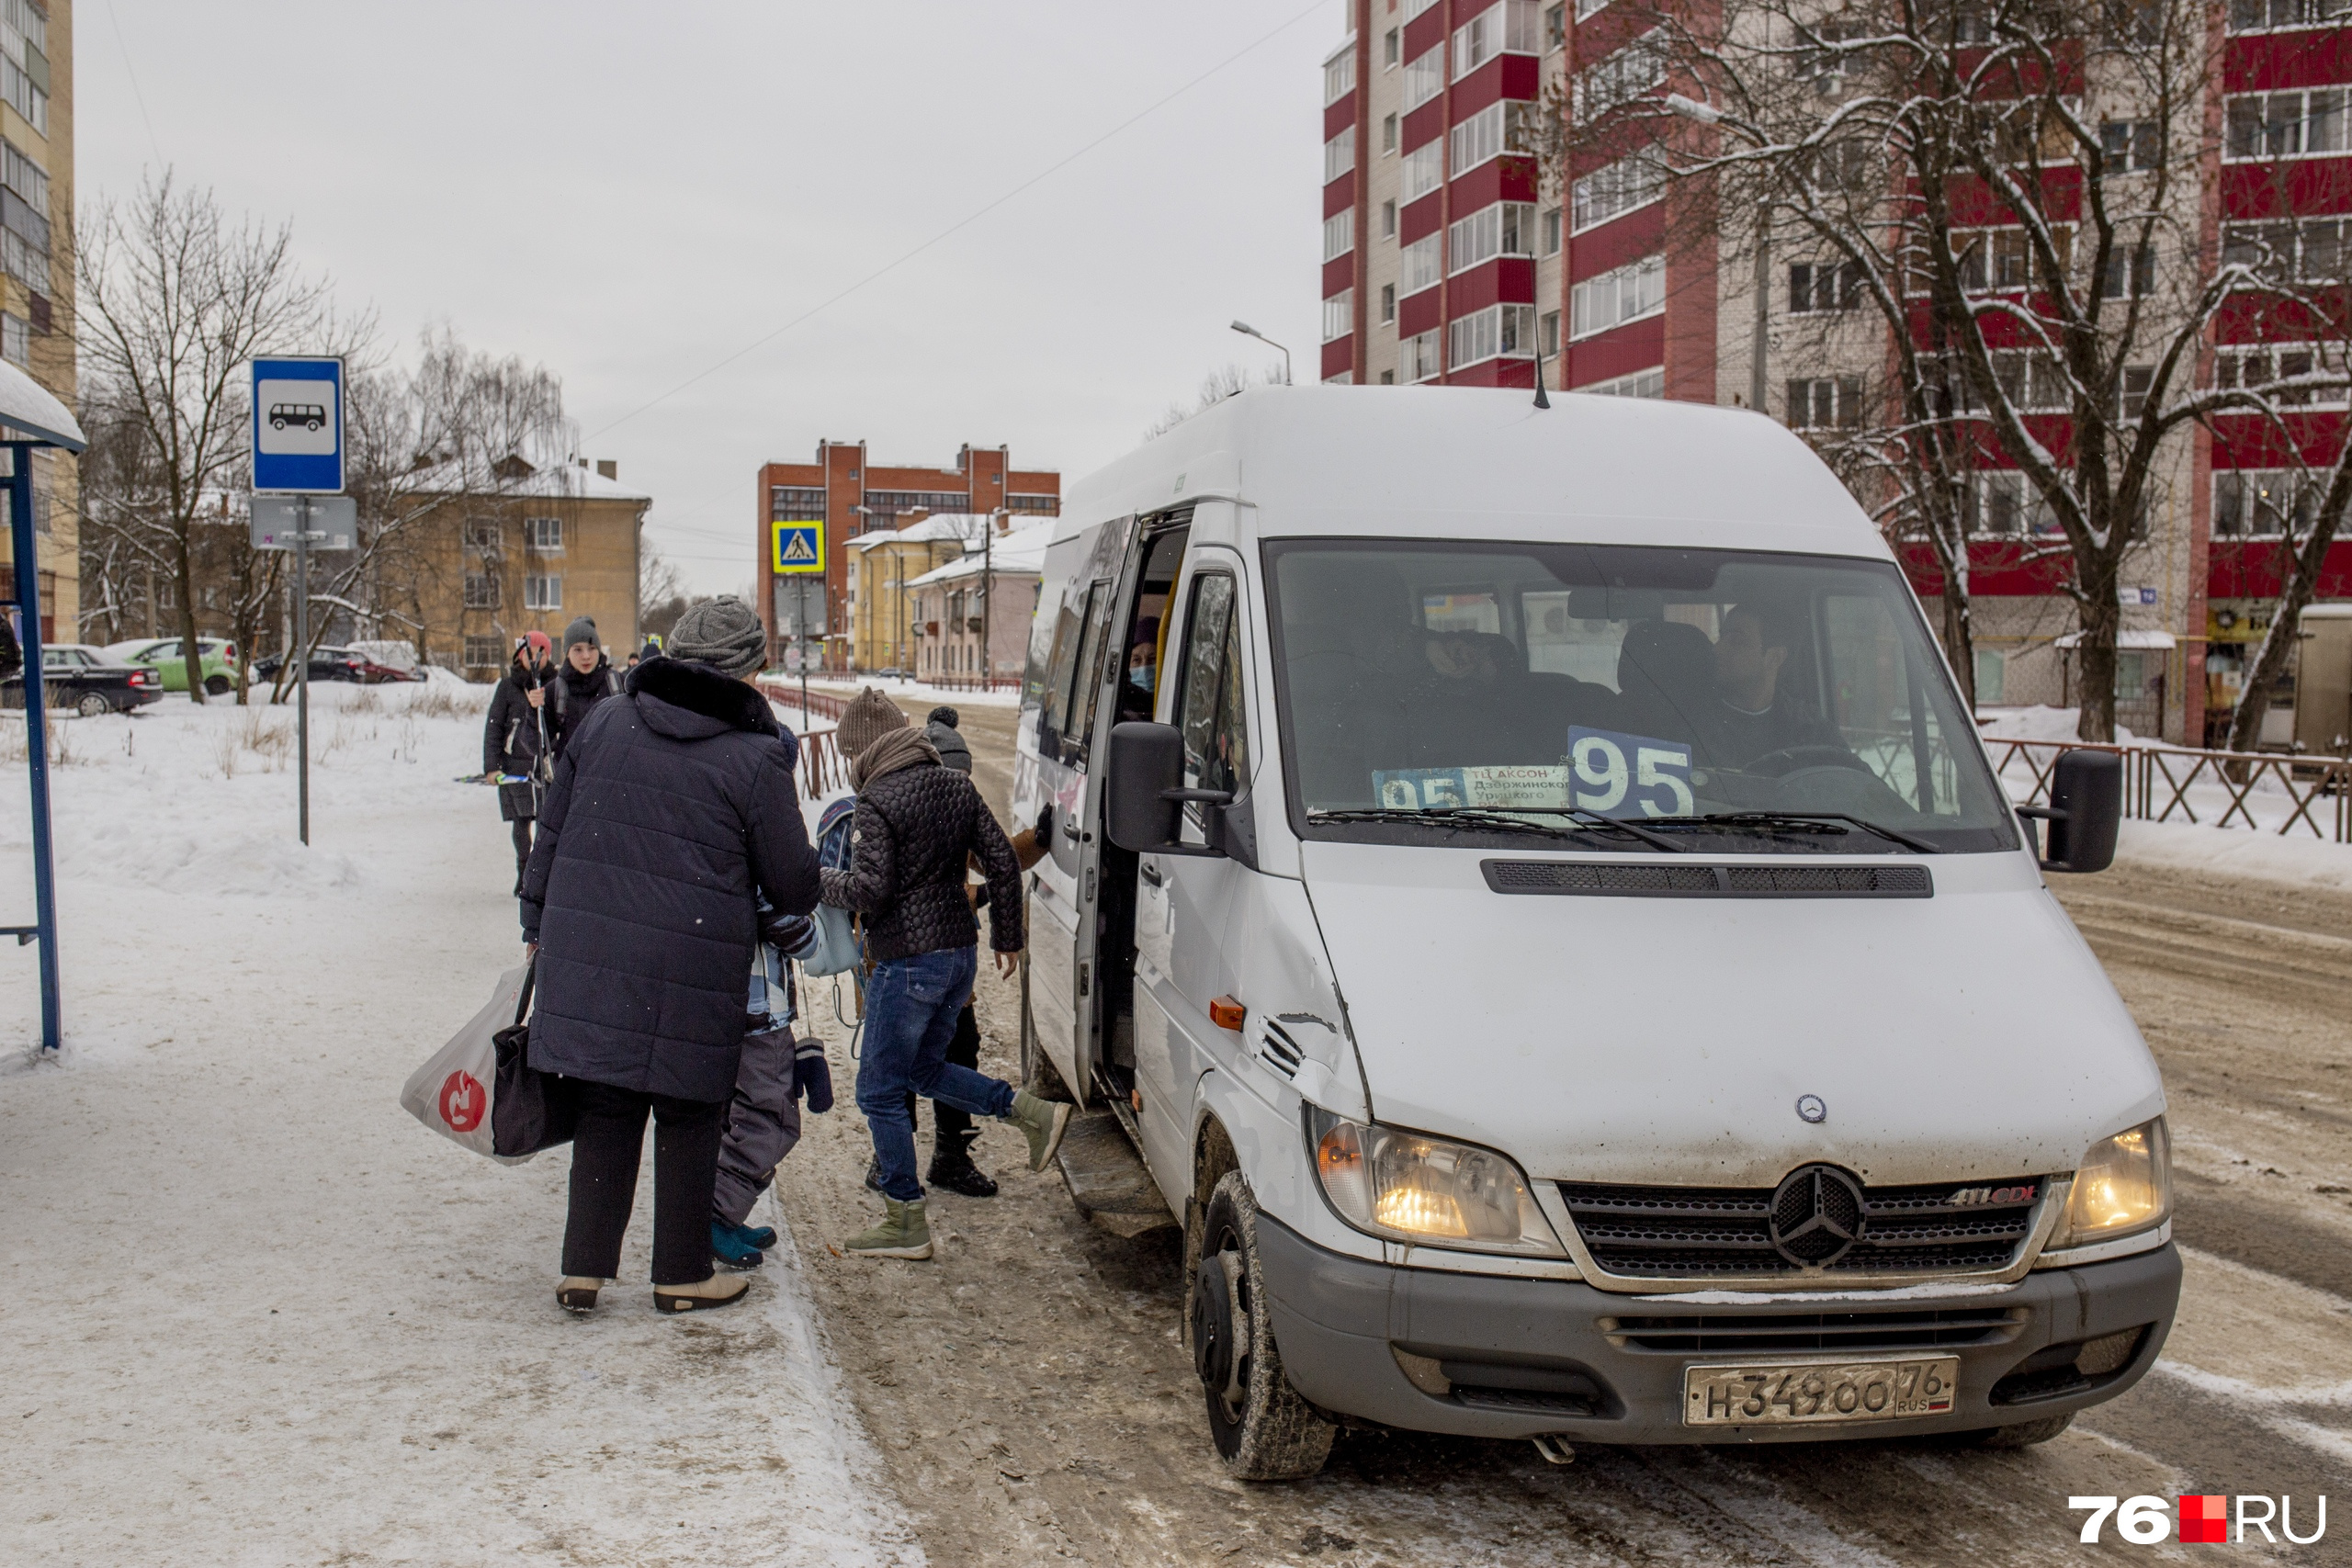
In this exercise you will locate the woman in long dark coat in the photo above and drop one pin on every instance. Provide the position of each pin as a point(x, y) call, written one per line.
point(510, 742)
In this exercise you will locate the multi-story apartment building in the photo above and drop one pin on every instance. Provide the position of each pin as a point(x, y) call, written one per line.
point(1446, 261)
point(850, 498)
point(37, 272)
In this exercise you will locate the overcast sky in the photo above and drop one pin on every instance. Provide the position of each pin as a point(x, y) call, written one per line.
point(631, 194)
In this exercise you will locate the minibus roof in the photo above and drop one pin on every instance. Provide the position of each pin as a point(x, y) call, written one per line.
point(1461, 462)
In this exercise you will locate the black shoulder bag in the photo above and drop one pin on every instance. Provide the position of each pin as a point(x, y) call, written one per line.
point(529, 1109)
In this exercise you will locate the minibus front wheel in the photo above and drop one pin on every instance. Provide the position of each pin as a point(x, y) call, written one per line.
point(1264, 1430)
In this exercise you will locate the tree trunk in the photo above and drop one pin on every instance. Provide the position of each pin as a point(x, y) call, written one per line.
point(190, 655)
point(2094, 656)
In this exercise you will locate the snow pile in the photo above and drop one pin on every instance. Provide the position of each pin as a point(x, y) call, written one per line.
point(255, 1313)
point(2299, 861)
point(2041, 723)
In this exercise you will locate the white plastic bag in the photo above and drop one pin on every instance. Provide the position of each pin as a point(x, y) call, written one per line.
point(451, 1092)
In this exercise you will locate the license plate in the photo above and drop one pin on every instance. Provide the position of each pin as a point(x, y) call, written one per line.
point(1811, 1393)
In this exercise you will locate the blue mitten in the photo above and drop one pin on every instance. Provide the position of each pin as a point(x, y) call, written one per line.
point(812, 1076)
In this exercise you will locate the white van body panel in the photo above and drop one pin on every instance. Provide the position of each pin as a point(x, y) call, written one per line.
point(1967, 1036)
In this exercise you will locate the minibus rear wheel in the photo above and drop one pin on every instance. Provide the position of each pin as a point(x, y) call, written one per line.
point(1264, 1430)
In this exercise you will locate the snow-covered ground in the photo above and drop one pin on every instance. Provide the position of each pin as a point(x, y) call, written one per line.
point(257, 1315)
point(849, 686)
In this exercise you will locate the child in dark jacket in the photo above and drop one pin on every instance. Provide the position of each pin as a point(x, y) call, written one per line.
point(764, 1119)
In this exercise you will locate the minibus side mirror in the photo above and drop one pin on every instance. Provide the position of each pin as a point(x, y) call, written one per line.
point(2084, 812)
point(1144, 808)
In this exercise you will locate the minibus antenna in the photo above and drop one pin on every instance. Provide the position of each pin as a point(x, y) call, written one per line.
point(1540, 400)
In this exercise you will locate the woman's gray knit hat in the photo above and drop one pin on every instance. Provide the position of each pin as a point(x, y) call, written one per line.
point(868, 716)
point(724, 633)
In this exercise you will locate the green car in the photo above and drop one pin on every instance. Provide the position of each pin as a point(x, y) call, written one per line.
point(162, 654)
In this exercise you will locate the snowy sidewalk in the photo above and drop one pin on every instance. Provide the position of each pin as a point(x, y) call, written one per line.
point(257, 1315)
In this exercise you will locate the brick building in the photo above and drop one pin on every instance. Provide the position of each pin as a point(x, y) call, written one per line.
point(850, 498)
point(972, 616)
point(1444, 260)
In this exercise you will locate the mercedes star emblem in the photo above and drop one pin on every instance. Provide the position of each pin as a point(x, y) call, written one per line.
point(1816, 1216)
point(1812, 1107)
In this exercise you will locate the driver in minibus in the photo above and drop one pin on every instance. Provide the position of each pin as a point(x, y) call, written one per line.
point(1754, 717)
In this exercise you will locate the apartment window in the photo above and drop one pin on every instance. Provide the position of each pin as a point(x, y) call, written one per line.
point(2286, 125)
point(543, 593)
point(1640, 384)
point(2002, 258)
point(1424, 77)
point(1507, 27)
point(1339, 154)
point(1497, 331)
point(1417, 357)
point(1548, 243)
point(2313, 250)
point(1388, 219)
point(1494, 130)
point(1344, 379)
point(1620, 78)
point(1824, 285)
point(1555, 27)
point(1547, 335)
point(2029, 378)
point(2131, 391)
point(1992, 676)
point(1340, 315)
point(543, 533)
point(2004, 504)
point(1499, 229)
point(1340, 73)
point(15, 339)
point(483, 652)
point(1388, 378)
point(1387, 302)
point(2130, 269)
point(1615, 189)
point(483, 534)
point(790, 503)
point(1422, 262)
point(2131, 144)
point(1422, 171)
point(24, 176)
point(1415, 8)
point(481, 590)
point(1388, 133)
point(1587, 7)
point(2254, 367)
point(1391, 49)
point(2262, 502)
point(1615, 298)
point(2261, 15)
point(1825, 402)
point(1339, 233)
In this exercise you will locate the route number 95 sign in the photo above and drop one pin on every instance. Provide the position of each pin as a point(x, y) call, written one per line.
point(1630, 775)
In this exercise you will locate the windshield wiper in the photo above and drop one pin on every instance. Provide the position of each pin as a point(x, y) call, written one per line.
point(1478, 816)
point(1812, 821)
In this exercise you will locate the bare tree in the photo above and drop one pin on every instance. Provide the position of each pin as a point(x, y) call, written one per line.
point(175, 301)
point(2012, 187)
point(1216, 386)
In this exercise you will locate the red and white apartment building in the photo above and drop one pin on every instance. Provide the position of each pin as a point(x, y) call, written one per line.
point(1446, 261)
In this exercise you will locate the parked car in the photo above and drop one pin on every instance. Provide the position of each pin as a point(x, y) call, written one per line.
point(327, 664)
point(1527, 899)
point(216, 657)
point(77, 677)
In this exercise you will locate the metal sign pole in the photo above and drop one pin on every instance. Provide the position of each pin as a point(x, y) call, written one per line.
point(800, 634)
point(302, 677)
point(20, 536)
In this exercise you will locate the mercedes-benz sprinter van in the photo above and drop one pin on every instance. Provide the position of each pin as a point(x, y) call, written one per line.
point(1526, 886)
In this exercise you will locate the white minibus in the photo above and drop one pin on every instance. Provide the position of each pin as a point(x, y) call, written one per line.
point(1527, 898)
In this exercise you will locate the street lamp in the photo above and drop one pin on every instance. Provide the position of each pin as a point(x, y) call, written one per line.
point(1246, 330)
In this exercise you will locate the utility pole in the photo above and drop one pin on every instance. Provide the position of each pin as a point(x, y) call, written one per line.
point(988, 600)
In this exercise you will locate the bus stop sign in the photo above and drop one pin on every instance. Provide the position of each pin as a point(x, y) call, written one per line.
point(298, 425)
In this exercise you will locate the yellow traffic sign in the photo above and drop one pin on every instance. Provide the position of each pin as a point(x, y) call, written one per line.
point(799, 545)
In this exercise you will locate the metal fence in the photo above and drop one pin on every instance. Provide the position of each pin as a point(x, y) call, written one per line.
point(2314, 793)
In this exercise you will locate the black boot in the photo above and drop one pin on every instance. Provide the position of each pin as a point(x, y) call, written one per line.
point(874, 1174)
point(951, 1167)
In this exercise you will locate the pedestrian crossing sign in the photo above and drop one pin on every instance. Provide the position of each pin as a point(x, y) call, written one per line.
point(799, 546)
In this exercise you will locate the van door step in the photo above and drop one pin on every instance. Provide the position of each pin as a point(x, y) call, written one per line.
point(1107, 1179)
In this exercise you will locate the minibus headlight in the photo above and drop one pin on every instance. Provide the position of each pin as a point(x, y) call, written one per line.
point(2123, 1185)
point(1429, 1191)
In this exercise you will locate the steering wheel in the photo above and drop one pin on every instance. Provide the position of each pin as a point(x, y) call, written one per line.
point(1790, 759)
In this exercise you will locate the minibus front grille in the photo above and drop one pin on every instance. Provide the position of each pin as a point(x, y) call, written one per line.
point(1652, 879)
point(1719, 1334)
point(1726, 1232)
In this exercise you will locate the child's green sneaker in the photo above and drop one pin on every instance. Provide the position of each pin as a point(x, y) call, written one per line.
point(905, 1232)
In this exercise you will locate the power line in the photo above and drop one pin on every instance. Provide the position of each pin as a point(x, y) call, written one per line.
point(962, 224)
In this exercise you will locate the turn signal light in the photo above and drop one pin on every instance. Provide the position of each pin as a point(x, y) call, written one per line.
point(1227, 1013)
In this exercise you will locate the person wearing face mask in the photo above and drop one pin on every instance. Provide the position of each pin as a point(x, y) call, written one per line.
point(1136, 691)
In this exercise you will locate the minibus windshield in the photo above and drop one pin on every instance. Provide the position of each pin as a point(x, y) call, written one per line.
point(1626, 698)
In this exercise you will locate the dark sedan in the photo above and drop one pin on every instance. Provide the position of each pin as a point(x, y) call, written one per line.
point(79, 679)
point(339, 664)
